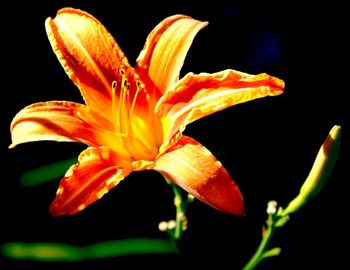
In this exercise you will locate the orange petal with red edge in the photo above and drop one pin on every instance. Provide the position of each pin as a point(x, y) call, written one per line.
point(53, 120)
point(87, 181)
point(88, 53)
point(194, 168)
point(165, 50)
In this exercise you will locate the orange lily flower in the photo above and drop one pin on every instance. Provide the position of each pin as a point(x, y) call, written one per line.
point(133, 118)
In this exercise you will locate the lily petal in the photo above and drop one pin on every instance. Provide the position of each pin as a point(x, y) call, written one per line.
point(52, 120)
point(194, 168)
point(89, 55)
point(196, 96)
point(165, 50)
point(87, 181)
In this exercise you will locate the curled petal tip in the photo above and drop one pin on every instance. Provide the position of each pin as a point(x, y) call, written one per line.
point(278, 87)
point(12, 146)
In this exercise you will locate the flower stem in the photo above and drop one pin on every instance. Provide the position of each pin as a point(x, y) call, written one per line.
point(259, 253)
point(274, 221)
point(180, 212)
point(181, 207)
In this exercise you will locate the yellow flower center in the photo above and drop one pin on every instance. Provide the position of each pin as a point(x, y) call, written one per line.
point(135, 129)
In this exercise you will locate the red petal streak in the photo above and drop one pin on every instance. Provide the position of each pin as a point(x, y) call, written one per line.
point(87, 181)
point(196, 170)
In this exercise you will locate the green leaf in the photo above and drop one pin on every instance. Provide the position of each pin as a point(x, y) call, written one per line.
point(129, 246)
point(56, 252)
point(46, 173)
point(45, 252)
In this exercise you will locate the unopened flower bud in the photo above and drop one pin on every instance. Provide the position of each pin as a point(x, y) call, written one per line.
point(320, 171)
point(271, 207)
point(163, 226)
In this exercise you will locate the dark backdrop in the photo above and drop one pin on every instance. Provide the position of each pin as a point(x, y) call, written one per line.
point(268, 145)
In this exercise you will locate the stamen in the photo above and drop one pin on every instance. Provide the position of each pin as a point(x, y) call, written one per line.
point(114, 109)
point(138, 83)
point(114, 88)
point(131, 130)
point(123, 121)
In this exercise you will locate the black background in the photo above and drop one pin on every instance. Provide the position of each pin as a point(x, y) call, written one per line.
point(268, 145)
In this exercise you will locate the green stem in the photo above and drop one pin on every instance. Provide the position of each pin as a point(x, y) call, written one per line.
point(181, 206)
point(180, 212)
point(259, 253)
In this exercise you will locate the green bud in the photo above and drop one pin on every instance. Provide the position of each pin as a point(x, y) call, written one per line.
point(320, 171)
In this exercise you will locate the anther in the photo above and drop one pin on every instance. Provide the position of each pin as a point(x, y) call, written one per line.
point(114, 85)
